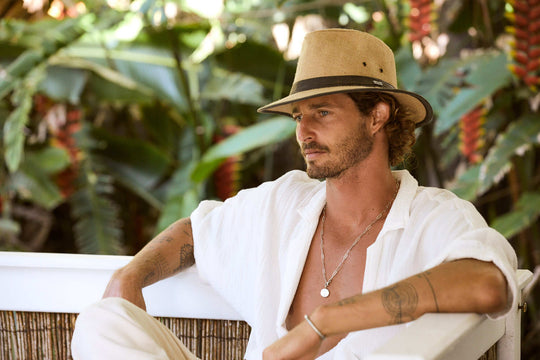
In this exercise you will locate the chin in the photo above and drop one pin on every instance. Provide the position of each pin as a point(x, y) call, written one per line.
point(323, 173)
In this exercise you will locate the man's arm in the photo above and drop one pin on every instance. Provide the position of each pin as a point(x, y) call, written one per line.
point(168, 253)
point(466, 285)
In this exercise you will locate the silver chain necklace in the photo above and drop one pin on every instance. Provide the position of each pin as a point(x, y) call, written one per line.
point(324, 291)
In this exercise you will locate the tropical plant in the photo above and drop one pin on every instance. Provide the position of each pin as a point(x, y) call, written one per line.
point(147, 115)
point(114, 120)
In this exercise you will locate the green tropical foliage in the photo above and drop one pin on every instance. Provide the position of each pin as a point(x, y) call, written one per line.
point(116, 121)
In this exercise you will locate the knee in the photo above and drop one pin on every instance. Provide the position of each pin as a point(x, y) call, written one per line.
point(93, 322)
point(99, 312)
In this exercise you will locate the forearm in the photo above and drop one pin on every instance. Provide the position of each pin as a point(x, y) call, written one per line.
point(460, 286)
point(165, 255)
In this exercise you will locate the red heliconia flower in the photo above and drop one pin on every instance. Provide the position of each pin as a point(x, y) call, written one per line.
point(420, 19)
point(63, 137)
point(526, 45)
point(472, 133)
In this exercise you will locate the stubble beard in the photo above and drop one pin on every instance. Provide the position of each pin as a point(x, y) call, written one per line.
point(349, 152)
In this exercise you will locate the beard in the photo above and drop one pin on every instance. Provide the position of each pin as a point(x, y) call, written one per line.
point(350, 151)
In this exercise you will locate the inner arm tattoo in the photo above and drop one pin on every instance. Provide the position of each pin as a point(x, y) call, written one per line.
point(400, 302)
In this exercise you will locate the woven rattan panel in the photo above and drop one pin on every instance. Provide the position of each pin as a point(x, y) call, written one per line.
point(36, 336)
point(39, 336)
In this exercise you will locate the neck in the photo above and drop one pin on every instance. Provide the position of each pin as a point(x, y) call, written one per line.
point(360, 193)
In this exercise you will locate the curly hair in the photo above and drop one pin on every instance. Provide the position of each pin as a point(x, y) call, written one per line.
point(399, 128)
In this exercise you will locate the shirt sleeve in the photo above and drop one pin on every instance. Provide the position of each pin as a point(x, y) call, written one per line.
point(467, 235)
point(237, 242)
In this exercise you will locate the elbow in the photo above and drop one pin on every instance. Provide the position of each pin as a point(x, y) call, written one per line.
point(492, 295)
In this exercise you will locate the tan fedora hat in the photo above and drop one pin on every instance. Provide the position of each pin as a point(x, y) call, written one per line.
point(343, 60)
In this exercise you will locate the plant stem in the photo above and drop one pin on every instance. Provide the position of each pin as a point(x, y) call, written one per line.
point(187, 91)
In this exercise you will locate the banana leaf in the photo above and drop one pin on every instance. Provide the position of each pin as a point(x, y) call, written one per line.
point(264, 133)
point(259, 61)
point(153, 68)
point(182, 198)
point(438, 83)
point(408, 70)
point(63, 84)
point(485, 75)
point(520, 136)
point(136, 164)
point(181, 193)
point(235, 88)
point(34, 181)
point(525, 213)
point(466, 186)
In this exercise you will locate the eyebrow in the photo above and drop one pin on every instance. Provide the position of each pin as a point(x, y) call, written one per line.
point(313, 106)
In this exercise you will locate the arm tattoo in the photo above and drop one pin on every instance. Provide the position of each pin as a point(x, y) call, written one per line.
point(425, 277)
point(187, 228)
point(160, 269)
point(349, 300)
point(400, 301)
point(187, 257)
point(165, 238)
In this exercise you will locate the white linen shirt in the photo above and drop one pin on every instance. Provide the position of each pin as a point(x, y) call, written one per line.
point(252, 249)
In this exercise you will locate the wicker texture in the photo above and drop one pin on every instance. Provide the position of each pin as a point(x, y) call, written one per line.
point(25, 335)
point(47, 336)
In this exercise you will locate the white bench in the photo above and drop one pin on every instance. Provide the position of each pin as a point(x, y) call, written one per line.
point(66, 283)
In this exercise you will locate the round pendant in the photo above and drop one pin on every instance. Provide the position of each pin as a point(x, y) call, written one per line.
point(325, 293)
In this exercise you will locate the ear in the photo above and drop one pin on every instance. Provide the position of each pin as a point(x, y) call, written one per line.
point(379, 116)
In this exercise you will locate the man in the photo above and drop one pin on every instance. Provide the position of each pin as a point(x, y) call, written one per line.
point(325, 270)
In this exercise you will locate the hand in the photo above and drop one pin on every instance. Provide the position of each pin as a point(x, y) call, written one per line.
point(122, 285)
point(301, 343)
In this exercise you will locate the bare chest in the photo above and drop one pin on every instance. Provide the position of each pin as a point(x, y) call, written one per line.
point(348, 280)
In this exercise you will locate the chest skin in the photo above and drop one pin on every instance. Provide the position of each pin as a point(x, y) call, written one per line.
point(347, 282)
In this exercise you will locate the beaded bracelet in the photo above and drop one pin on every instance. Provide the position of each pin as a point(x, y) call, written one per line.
point(314, 327)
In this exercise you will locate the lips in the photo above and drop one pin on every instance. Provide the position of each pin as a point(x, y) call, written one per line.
point(312, 150)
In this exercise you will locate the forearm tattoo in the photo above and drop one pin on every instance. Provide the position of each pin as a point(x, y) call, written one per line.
point(425, 277)
point(158, 264)
point(187, 227)
point(187, 256)
point(160, 269)
point(349, 300)
point(400, 301)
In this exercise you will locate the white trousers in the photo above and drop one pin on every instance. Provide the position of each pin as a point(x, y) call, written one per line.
point(114, 328)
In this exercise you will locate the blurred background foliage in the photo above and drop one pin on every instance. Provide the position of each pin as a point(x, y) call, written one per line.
point(117, 117)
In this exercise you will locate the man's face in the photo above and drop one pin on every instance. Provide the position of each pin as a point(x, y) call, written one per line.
point(332, 134)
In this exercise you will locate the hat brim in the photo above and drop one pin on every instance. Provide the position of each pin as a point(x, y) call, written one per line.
point(415, 106)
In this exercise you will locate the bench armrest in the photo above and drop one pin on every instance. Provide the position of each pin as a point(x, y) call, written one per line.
point(67, 283)
point(456, 336)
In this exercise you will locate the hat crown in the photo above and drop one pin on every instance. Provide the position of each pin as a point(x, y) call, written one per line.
point(344, 61)
point(343, 52)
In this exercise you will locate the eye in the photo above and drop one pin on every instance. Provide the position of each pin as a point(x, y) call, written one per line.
point(297, 117)
point(323, 113)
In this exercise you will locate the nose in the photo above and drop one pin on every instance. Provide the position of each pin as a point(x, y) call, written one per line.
point(304, 130)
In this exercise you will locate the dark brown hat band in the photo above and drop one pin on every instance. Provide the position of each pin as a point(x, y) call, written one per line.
point(331, 81)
